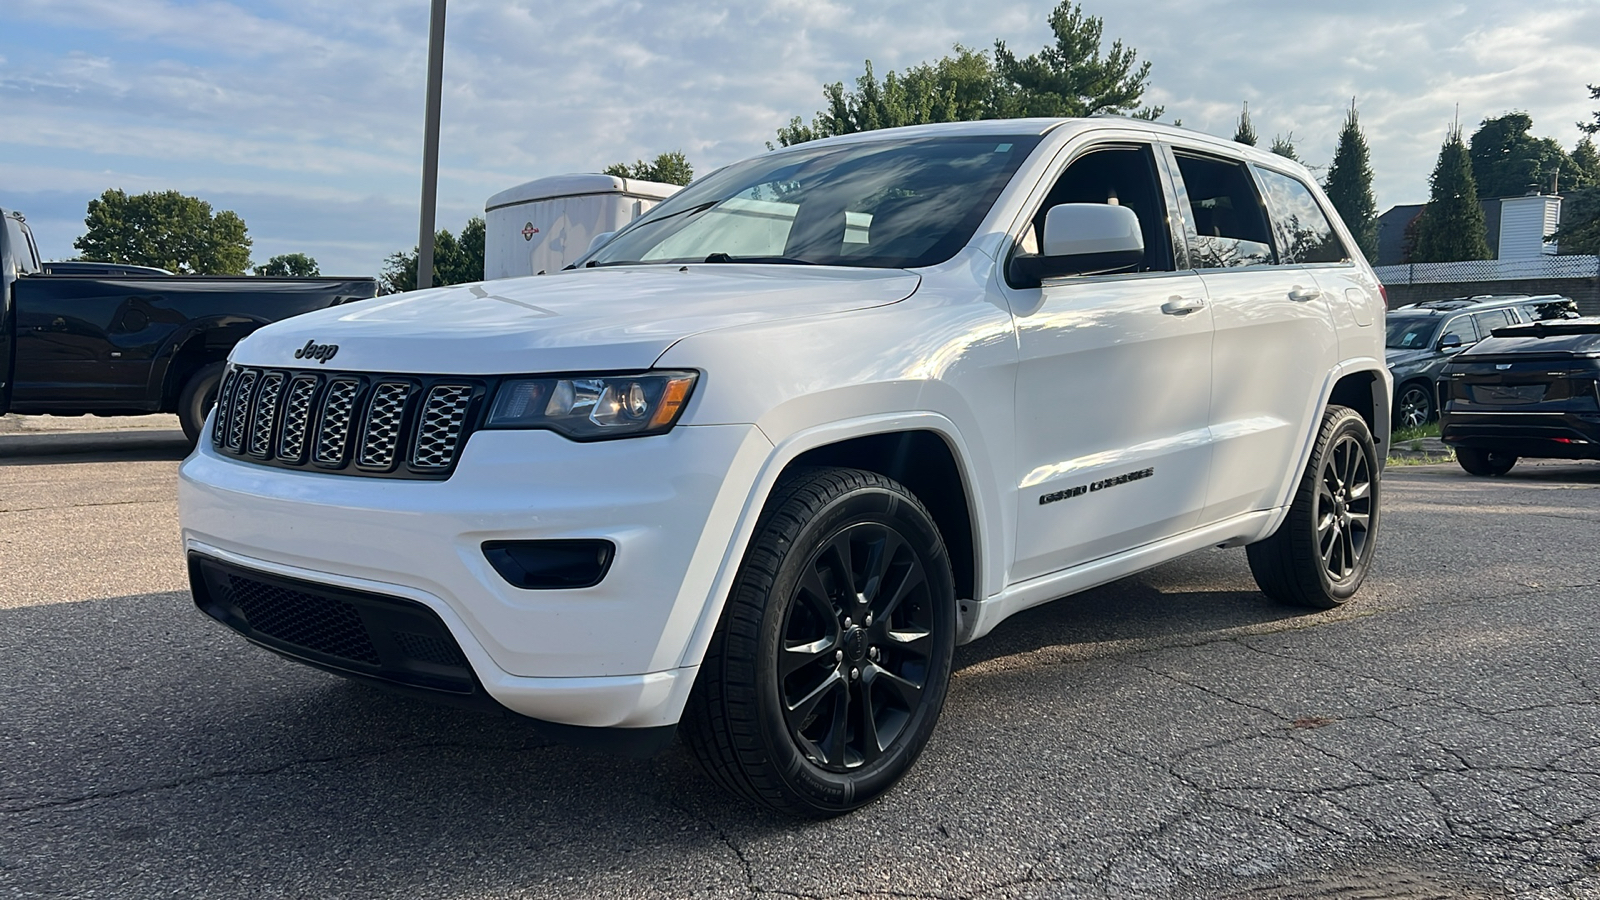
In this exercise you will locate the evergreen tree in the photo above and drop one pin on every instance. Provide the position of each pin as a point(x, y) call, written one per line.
point(1245, 133)
point(1451, 227)
point(1585, 169)
point(1284, 146)
point(1349, 185)
point(1070, 77)
point(1507, 161)
point(1580, 232)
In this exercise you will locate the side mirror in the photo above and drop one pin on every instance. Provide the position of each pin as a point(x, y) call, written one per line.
point(1450, 342)
point(1083, 239)
point(598, 241)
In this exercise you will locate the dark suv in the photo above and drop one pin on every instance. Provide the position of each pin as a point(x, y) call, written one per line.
point(1422, 337)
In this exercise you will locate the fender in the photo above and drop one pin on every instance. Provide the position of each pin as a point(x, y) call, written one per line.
point(1382, 388)
point(197, 329)
point(979, 508)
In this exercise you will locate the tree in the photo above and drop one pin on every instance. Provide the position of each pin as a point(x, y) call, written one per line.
point(1067, 78)
point(164, 229)
point(1245, 133)
point(1585, 162)
point(1582, 213)
point(289, 265)
point(1349, 185)
point(1451, 227)
point(668, 168)
point(1284, 146)
point(1507, 161)
point(455, 261)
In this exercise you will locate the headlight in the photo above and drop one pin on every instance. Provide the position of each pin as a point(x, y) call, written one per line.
point(593, 407)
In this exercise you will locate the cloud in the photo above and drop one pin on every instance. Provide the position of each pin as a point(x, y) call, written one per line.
point(305, 114)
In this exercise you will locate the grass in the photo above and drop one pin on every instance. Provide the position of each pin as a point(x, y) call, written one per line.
point(1431, 429)
point(1411, 439)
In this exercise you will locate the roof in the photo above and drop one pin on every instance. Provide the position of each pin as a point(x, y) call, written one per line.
point(1483, 301)
point(577, 186)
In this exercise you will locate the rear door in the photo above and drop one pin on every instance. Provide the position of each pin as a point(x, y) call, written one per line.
point(1275, 340)
point(1114, 379)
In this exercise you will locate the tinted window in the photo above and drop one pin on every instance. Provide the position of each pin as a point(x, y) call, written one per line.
point(1121, 176)
point(903, 203)
point(1411, 332)
point(1227, 214)
point(1494, 318)
point(1461, 327)
point(1304, 233)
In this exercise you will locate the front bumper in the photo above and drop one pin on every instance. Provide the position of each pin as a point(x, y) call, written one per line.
point(607, 656)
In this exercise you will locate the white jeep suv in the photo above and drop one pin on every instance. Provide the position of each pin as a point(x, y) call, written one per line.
point(767, 455)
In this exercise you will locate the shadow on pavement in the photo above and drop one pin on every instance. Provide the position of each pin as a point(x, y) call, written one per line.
point(98, 447)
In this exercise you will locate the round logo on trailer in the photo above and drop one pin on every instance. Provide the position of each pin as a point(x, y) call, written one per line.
point(528, 231)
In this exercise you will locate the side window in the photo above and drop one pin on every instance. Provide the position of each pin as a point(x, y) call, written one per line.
point(1489, 321)
point(1461, 327)
point(1230, 223)
point(1121, 176)
point(1304, 233)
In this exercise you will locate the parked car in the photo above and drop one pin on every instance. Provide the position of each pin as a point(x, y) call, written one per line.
point(114, 339)
point(766, 456)
point(1422, 337)
point(1529, 390)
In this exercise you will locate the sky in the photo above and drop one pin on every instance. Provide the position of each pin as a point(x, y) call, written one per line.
point(306, 118)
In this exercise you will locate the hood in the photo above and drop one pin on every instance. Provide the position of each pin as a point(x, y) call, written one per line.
point(1394, 358)
point(590, 319)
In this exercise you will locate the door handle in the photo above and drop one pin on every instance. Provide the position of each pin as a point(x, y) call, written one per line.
point(1302, 295)
point(1182, 306)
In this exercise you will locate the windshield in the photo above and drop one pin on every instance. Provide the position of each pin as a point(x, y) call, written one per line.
point(1411, 332)
point(887, 204)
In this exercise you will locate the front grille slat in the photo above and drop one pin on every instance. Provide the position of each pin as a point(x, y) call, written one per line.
point(244, 393)
point(348, 423)
point(266, 413)
point(334, 431)
point(381, 432)
point(297, 418)
point(439, 431)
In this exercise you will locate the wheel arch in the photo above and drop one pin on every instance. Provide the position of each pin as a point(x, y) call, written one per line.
point(882, 444)
point(198, 344)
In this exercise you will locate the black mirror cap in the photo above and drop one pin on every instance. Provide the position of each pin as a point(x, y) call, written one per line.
point(1029, 270)
point(551, 565)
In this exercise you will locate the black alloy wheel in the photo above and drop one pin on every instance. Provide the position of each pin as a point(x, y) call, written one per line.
point(1343, 511)
point(857, 642)
point(829, 665)
point(1413, 406)
point(1322, 551)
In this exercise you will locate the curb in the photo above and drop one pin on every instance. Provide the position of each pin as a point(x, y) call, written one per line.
point(70, 442)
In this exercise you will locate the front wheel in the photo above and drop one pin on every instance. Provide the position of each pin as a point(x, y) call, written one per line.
point(1321, 553)
point(1413, 405)
point(199, 394)
point(1484, 463)
point(829, 665)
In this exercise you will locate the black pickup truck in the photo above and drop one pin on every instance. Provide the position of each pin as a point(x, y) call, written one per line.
point(112, 343)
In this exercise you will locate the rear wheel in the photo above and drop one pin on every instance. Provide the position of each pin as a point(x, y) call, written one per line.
point(829, 666)
point(1484, 463)
point(1321, 553)
point(1413, 405)
point(199, 394)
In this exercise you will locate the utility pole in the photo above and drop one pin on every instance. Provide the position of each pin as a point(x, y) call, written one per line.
point(430, 147)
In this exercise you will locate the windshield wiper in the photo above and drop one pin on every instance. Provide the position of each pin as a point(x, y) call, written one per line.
point(781, 260)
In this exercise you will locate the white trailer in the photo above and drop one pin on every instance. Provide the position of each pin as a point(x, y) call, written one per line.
point(546, 224)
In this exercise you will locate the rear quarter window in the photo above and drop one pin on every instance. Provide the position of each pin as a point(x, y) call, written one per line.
point(1302, 228)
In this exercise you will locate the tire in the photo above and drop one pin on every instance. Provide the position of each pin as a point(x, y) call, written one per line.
point(199, 394)
point(811, 650)
point(1484, 463)
point(1321, 553)
point(1413, 405)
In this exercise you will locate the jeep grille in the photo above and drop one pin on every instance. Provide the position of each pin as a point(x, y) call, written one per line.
point(398, 426)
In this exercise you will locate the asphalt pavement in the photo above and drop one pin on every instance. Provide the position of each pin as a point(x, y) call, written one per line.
point(1170, 735)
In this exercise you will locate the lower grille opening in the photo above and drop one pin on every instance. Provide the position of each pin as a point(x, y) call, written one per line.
point(373, 636)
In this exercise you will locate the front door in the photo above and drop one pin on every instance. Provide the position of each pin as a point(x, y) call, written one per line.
point(1113, 387)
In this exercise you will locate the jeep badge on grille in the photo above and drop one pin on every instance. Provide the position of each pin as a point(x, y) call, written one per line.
point(319, 352)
